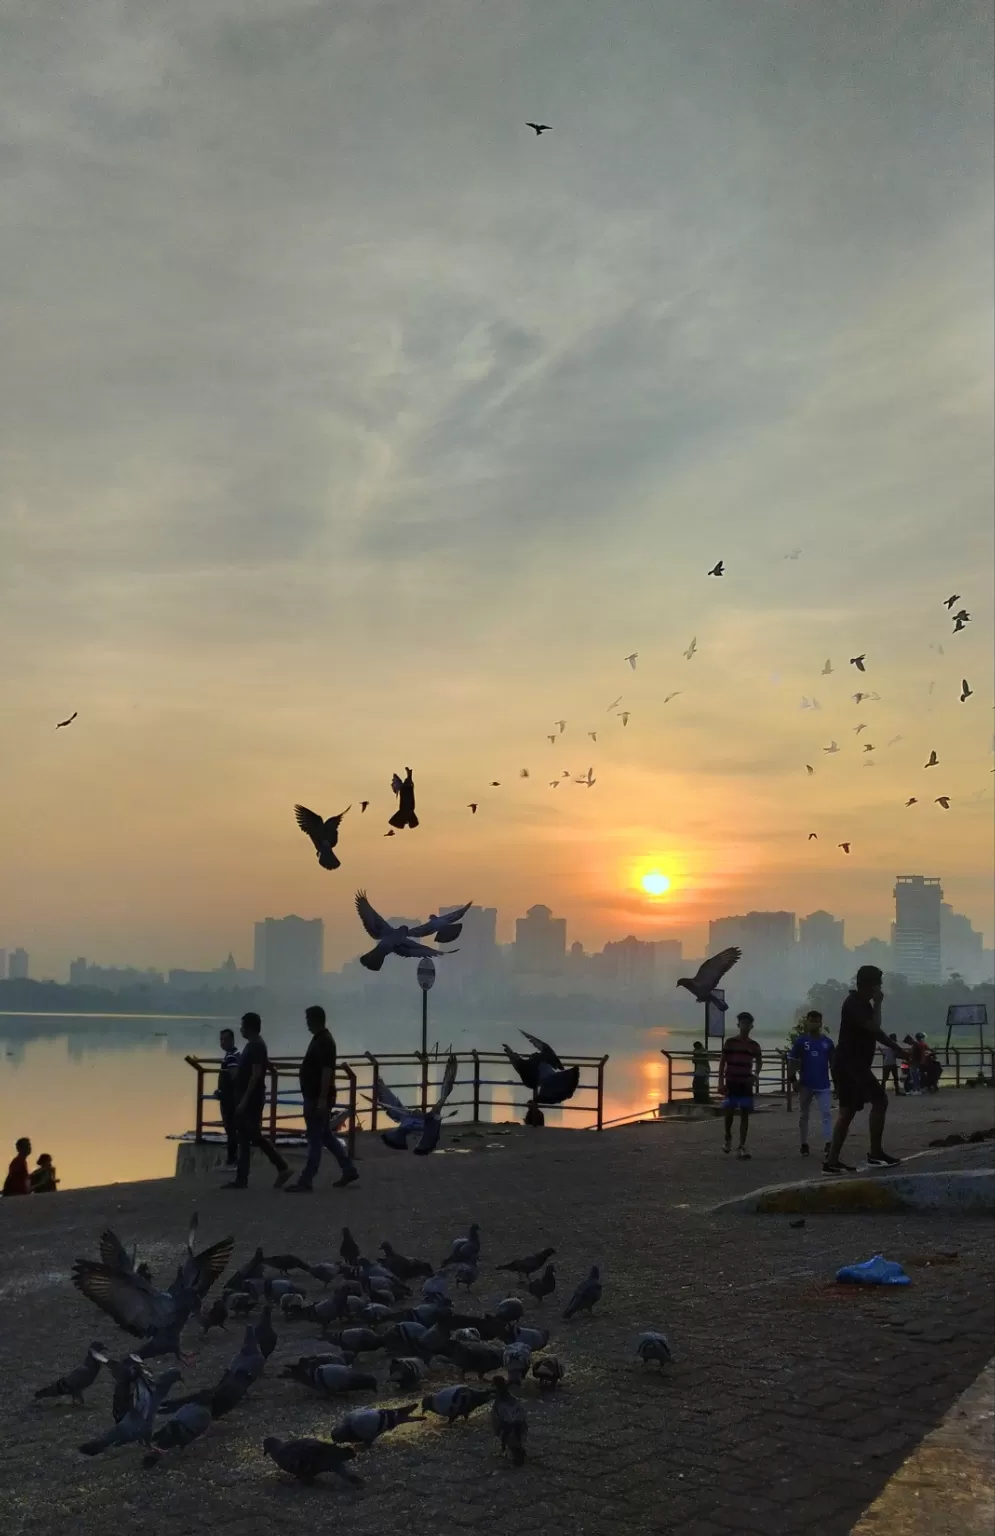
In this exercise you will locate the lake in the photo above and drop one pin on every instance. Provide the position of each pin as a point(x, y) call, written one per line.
point(102, 1093)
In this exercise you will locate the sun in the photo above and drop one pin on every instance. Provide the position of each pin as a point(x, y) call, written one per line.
point(655, 884)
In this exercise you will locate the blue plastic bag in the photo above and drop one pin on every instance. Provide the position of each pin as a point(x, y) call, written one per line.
point(876, 1271)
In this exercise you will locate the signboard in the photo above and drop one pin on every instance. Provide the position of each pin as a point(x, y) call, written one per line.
point(715, 1019)
point(426, 973)
point(967, 1016)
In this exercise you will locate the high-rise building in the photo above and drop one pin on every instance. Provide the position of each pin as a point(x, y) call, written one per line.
point(17, 965)
point(821, 951)
point(540, 942)
point(917, 942)
point(630, 964)
point(289, 953)
point(3, 964)
point(961, 947)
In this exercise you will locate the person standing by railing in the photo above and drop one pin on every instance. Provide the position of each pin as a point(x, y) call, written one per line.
point(226, 1092)
point(890, 1065)
point(740, 1066)
point(317, 1079)
point(250, 1091)
point(700, 1073)
point(811, 1057)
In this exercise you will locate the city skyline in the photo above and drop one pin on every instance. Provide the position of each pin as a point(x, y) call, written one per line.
point(349, 425)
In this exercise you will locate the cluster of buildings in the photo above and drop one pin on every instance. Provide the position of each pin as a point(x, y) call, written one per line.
point(14, 966)
point(782, 957)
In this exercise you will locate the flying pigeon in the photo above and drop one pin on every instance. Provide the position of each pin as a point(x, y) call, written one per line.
point(832, 747)
point(858, 661)
point(792, 554)
point(72, 717)
point(631, 659)
point(933, 760)
point(136, 1306)
point(523, 773)
point(391, 833)
point(562, 725)
point(858, 698)
point(959, 625)
point(544, 1073)
point(539, 127)
point(362, 806)
point(943, 800)
point(965, 691)
point(809, 769)
point(893, 740)
point(593, 735)
point(827, 669)
point(702, 985)
point(938, 649)
point(813, 837)
point(861, 727)
point(868, 746)
point(587, 779)
point(76, 1381)
point(962, 616)
point(472, 807)
point(307, 1459)
point(913, 801)
point(495, 783)
point(554, 783)
point(672, 695)
point(587, 1295)
point(508, 1421)
point(404, 789)
point(624, 716)
point(401, 940)
point(844, 846)
point(951, 600)
point(691, 649)
point(323, 834)
point(409, 1121)
point(551, 739)
point(718, 569)
point(805, 704)
point(614, 706)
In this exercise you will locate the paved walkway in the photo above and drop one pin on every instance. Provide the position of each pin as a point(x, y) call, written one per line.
point(789, 1407)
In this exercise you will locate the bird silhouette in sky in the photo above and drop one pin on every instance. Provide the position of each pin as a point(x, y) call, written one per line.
point(718, 569)
point(809, 769)
point(472, 807)
point(495, 783)
point(323, 834)
point(965, 691)
point(827, 669)
point(858, 661)
point(523, 773)
point(691, 648)
point(404, 789)
point(933, 760)
point(554, 783)
point(539, 127)
point(868, 746)
point(551, 739)
point(932, 685)
point(861, 727)
point(938, 649)
point(362, 806)
point(587, 778)
point(951, 600)
point(960, 624)
point(813, 837)
point(562, 725)
point(624, 716)
point(673, 695)
point(792, 554)
point(832, 747)
point(702, 985)
point(943, 800)
point(858, 698)
point(911, 801)
point(844, 846)
point(401, 939)
point(72, 717)
point(614, 706)
point(391, 833)
point(893, 740)
point(805, 704)
point(963, 615)
point(632, 659)
point(593, 735)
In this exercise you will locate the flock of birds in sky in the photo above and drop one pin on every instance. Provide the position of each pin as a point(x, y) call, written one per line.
point(378, 1336)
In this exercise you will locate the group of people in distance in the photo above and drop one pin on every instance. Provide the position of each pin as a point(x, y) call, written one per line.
point(818, 1065)
point(22, 1180)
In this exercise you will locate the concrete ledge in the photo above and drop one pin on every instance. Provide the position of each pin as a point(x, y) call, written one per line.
point(969, 1192)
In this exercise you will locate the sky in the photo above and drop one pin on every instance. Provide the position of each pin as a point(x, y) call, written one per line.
point(346, 424)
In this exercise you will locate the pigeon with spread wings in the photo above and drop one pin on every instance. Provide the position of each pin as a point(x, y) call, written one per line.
point(409, 1121)
point(404, 789)
point(550, 1081)
point(323, 834)
point(710, 973)
point(401, 941)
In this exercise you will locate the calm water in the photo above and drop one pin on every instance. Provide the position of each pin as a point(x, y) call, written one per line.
point(102, 1094)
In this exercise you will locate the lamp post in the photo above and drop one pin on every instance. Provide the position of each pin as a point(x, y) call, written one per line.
point(426, 980)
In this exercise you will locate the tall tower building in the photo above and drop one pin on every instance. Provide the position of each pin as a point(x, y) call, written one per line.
point(540, 942)
point(917, 947)
point(17, 965)
point(289, 953)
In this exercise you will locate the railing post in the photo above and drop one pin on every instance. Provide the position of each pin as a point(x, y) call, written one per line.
point(670, 1075)
point(374, 1088)
point(601, 1093)
point(476, 1086)
point(274, 1090)
point(351, 1137)
point(199, 1119)
point(956, 1066)
point(424, 1076)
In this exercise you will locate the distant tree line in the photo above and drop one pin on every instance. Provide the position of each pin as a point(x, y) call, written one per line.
point(51, 996)
point(909, 1007)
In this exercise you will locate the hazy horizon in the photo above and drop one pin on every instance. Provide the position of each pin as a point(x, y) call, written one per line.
point(348, 425)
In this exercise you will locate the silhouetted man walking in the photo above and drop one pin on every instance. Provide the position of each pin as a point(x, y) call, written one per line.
point(317, 1078)
point(250, 1096)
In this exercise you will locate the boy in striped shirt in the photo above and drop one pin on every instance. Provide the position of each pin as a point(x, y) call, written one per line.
point(739, 1078)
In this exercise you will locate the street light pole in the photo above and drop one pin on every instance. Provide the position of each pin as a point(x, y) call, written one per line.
point(426, 980)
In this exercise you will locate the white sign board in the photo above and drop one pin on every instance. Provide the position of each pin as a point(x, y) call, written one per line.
point(715, 1019)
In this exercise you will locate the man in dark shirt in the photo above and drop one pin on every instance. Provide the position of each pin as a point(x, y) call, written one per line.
point(226, 1092)
point(317, 1077)
point(739, 1078)
point(853, 1070)
point(18, 1180)
point(250, 1096)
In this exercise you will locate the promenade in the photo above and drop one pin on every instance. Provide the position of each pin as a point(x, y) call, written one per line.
point(789, 1406)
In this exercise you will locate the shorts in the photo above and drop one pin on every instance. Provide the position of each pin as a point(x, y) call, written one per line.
point(857, 1086)
point(738, 1096)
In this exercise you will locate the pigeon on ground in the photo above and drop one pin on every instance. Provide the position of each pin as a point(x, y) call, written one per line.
point(399, 941)
point(404, 789)
point(307, 1459)
point(364, 1425)
point(402, 1266)
point(544, 1073)
point(858, 661)
point(452, 1403)
point(332, 1380)
point(510, 1309)
point(844, 846)
point(653, 1347)
point(323, 834)
point(217, 1314)
point(933, 760)
point(965, 691)
point(137, 1423)
point(691, 649)
point(548, 1372)
point(718, 569)
point(587, 1295)
point(832, 748)
point(545, 1285)
point(407, 1372)
point(709, 974)
point(516, 1360)
point(471, 1355)
point(943, 800)
point(265, 1333)
point(76, 1381)
point(465, 1250)
point(408, 1122)
point(186, 1425)
point(797, 1224)
point(632, 659)
point(535, 1338)
point(539, 127)
point(464, 1275)
point(60, 723)
point(508, 1421)
point(528, 1266)
point(250, 1270)
point(241, 1302)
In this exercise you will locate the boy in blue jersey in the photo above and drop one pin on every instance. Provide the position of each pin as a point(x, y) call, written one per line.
point(812, 1059)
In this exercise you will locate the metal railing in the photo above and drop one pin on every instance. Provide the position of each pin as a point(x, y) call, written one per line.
point(478, 1073)
point(775, 1078)
point(972, 1064)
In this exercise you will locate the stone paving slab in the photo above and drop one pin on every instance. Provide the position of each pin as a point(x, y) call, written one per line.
point(789, 1406)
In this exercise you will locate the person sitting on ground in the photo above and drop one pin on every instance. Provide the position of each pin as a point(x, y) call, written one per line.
point(43, 1180)
point(18, 1180)
point(739, 1078)
point(701, 1073)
